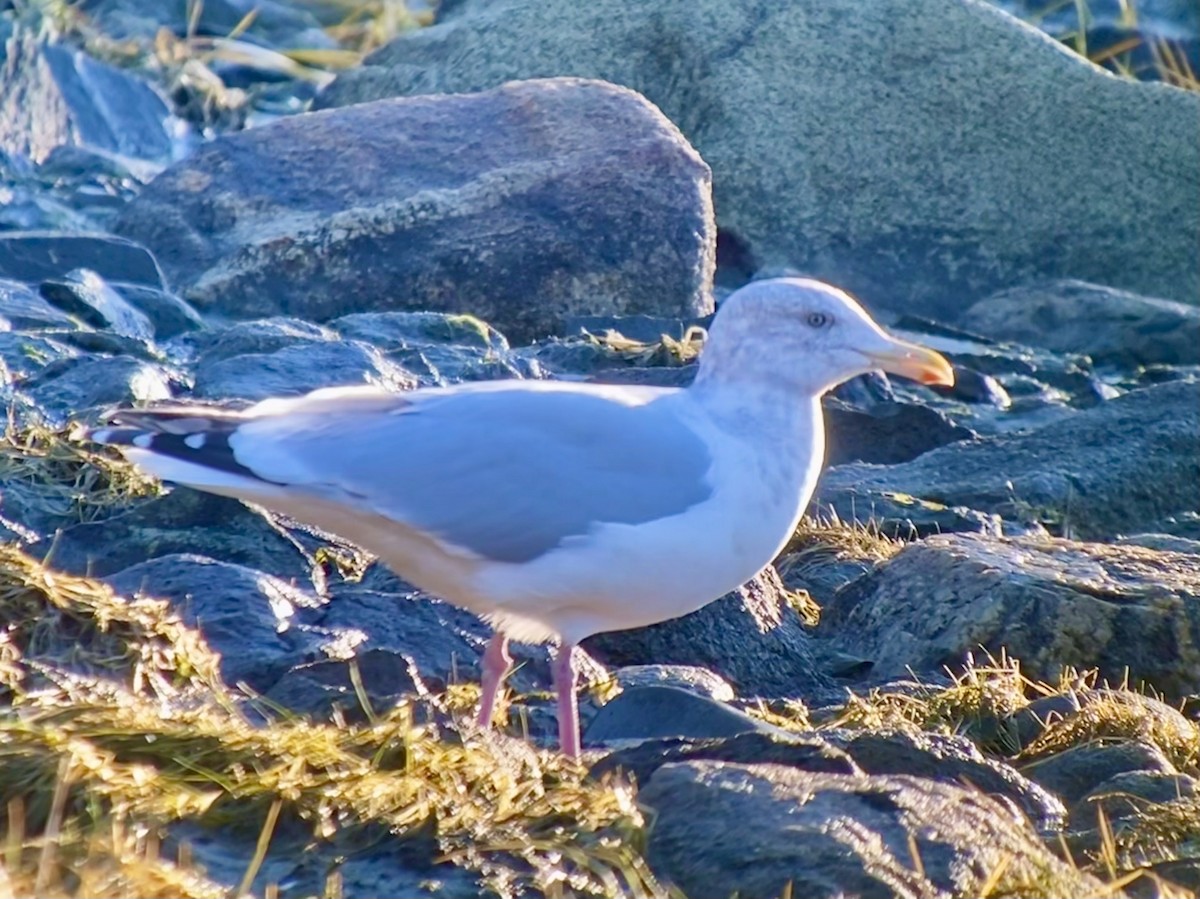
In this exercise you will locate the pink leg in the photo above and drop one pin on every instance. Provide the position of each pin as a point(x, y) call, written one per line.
point(495, 666)
point(568, 711)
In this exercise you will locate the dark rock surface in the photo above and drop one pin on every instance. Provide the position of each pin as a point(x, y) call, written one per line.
point(583, 199)
point(835, 835)
point(1111, 326)
point(1078, 771)
point(36, 255)
point(1099, 473)
point(1126, 611)
point(899, 192)
point(656, 712)
point(751, 637)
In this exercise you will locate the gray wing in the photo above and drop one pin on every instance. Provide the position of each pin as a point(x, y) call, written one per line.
point(507, 474)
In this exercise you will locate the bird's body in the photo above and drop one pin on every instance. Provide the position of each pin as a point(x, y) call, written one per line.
point(553, 510)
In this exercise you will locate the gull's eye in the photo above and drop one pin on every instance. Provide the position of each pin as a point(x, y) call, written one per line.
point(818, 320)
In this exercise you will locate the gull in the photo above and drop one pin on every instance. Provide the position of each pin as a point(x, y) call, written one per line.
point(556, 510)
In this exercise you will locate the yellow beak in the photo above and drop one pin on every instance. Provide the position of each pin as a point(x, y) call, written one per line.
point(909, 360)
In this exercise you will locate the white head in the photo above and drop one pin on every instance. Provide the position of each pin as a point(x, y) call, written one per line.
point(807, 336)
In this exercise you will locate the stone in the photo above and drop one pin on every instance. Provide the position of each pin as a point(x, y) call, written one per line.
point(69, 387)
point(751, 637)
point(767, 745)
point(296, 370)
point(169, 314)
point(575, 197)
point(1101, 472)
point(86, 295)
point(854, 140)
point(184, 521)
point(52, 96)
point(660, 712)
point(25, 310)
point(244, 614)
point(1126, 611)
point(761, 830)
point(692, 678)
point(886, 433)
point(38, 255)
point(1114, 327)
point(1076, 772)
point(271, 22)
point(949, 759)
point(1126, 794)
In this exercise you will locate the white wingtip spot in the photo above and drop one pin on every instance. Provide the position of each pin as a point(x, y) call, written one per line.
point(194, 441)
point(143, 441)
point(102, 435)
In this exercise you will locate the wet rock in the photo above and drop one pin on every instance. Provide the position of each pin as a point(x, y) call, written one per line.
point(25, 355)
point(1162, 542)
point(658, 712)
point(1111, 326)
point(25, 310)
point(53, 96)
point(1075, 772)
point(66, 388)
point(886, 433)
point(895, 193)
point(752, 637)
point(244, 614)
point(1102, 472)
point(581, 199)
point(183, 521)
point(296, 370)
point(263, 336)
point(438, 348)
point(1031, 721)
point(826, 835)
point(692, 678)
point(1125, 611)
point(763, 745)
point(37, 255)
point(87, 296)
point(169, 314)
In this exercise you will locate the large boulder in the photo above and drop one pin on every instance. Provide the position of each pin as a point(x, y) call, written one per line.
point(766, 830)
point(1113, 469)
point(1127, 611)
point(522, 205)
point(922, 153)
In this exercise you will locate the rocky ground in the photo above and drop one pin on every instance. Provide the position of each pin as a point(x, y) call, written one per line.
point(974, 671)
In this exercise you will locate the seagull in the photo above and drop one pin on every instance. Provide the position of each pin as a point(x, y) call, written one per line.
point(556, 510)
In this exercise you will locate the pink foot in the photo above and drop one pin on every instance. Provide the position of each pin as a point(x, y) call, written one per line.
point(495, 666)
point(568, 711)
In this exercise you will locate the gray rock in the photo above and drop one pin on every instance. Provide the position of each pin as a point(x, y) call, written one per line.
point(261, 336)
point(1162, 542)
point(692, 678)
point(759, 830)
point(70, 386)
point(53, 96)
point(182, 521)
point(946, 183)
point(244, 614)
point(275, 23)
point(658, 712)
point(436, 347)
point(1126, 611)
point(25, 310)
point(86, 295)
point(38, 255)
point(297, 369)
point(170, 315)
point(1075, 772)
point(1111, 326)
point(751, 637)
point(806, 752)
point(886, 433)
point(1130, 792)
point(1102, 472)
point(575, 197)
point(948, 759)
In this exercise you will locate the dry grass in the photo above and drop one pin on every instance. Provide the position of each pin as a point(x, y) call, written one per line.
point(115, 714)
point(666, 351)
point(56, 473)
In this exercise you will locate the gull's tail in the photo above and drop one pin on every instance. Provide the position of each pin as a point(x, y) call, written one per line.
point(185, 444)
